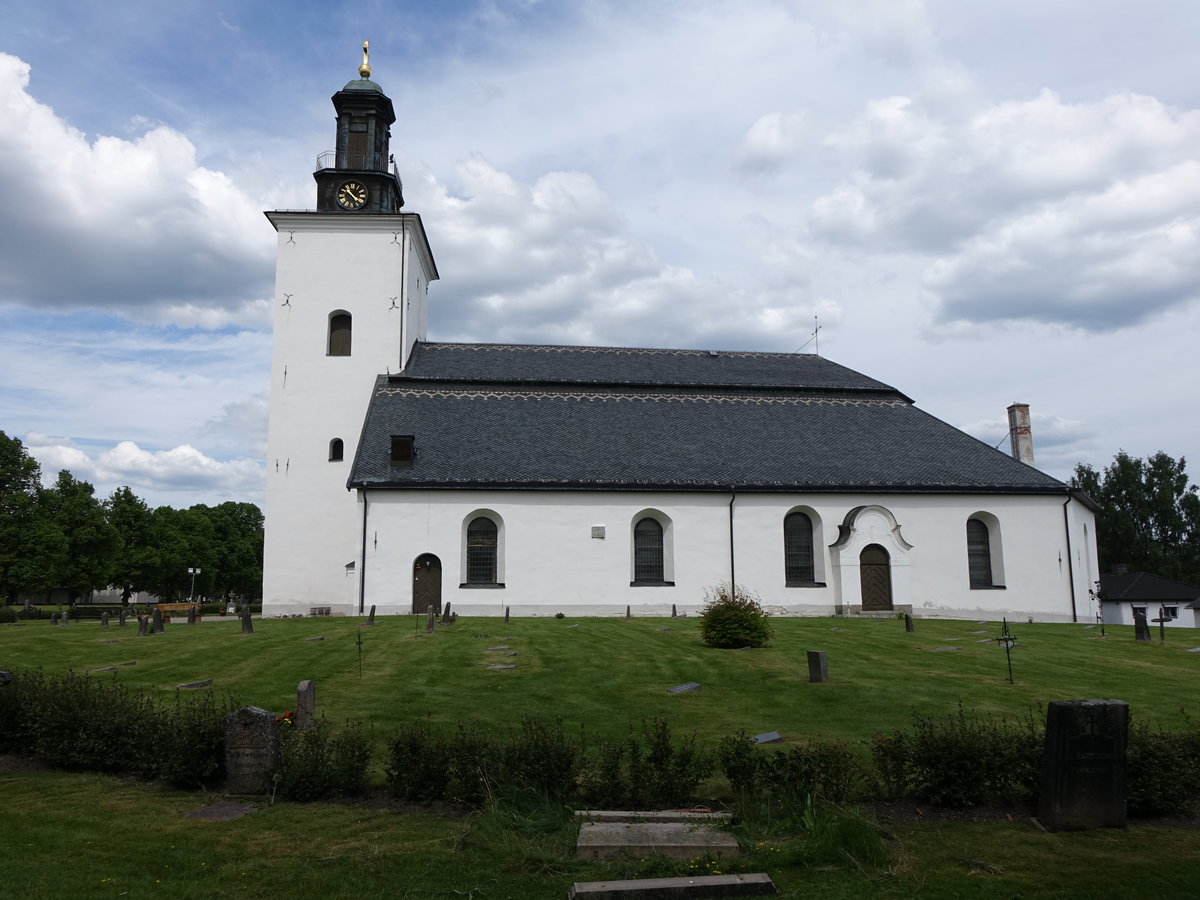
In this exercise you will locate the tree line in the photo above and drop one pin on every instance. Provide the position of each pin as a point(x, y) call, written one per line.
point(64, 537)
point(1149, 516)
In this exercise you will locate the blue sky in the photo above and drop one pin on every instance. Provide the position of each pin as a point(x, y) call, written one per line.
point(981, 203)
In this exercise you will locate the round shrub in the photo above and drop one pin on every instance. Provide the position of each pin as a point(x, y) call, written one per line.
point(733, 617)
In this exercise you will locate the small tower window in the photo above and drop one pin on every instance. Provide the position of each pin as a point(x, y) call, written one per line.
point(402, 451)
point(335, 450)
point(339, 334)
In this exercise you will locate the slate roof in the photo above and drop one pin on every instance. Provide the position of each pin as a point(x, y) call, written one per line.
point(1142, 587)
point(548, 417)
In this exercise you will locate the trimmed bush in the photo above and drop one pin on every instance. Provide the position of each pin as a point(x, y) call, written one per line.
point(1163, 775)
point(733, 617)
point(322, 761)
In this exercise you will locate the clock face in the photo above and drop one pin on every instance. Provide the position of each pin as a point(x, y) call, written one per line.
point(352, 195)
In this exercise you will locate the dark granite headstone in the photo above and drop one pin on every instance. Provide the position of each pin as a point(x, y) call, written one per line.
point(143, 625)
point(908, 623)
point(371, 615)
point(430, 620)
point(628, 614)
point(306, 705)
point(251, 750)
point(156, 620)
point(103, 620)
point(446, 620)
point(121, 617)
point(247, 623)
point(54, 618)
point(506, 615)
point(673, 613)
point(1141, 628)
point(818, 667)
point(1083, 771)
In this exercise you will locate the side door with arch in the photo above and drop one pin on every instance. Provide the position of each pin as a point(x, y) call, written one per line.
point(427, 584)
point(875, 572)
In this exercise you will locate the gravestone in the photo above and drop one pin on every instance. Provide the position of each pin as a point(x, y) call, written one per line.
point(1083, 771)
point(306, 705)
point(501, 667)
point(247, 624)
point(143, 624)
point(818, 667)
point(506, 615)
point(1141, 628)
point(191, 619)
point(628, 614)
point(673, 613)
point(371, 615)
point(908, 623)
point(430, 622)
point(251, 750)
point(768, 737)
point(121, 617)
point(686, 688)
point(446, 618)
point(103, 620)
point(203, 683)
point(54, 619)
point(156, 621)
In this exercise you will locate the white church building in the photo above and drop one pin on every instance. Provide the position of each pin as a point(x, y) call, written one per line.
point(404, 474)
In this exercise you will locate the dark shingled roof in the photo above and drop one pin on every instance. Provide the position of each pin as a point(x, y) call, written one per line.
point(1142, 587)
point(502, 416)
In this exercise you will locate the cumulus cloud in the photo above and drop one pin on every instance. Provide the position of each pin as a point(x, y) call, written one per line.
point(178, 477)
point(1082, 214)
point(554, 261)
point(772, 141)
point(118, 224)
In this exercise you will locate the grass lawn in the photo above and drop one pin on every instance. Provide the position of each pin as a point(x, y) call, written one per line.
point(76, 835)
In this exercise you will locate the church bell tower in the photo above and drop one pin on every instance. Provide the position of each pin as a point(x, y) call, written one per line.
point(351, 282)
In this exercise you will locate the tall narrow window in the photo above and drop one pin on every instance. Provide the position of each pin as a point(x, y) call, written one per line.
point(481, 551)
point(335, 450)
point(979, 554)
point(648, 552)
point(798, 560)
point(339, 334)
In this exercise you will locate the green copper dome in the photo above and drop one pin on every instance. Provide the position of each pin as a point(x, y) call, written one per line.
point(362, 84)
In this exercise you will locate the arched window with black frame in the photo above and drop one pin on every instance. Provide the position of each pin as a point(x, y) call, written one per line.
point(648, 552)
point(799, 559)
point(482, 545)
point(979, 554)
point(339, 334)
point(336, 450)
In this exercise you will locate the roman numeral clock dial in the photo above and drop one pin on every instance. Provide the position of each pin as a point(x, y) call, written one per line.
point(352, 195)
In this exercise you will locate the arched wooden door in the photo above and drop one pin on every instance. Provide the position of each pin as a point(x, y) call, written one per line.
point(427, 584)
point(875, 570)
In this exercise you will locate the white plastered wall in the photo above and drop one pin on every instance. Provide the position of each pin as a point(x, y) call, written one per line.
point(552, 563)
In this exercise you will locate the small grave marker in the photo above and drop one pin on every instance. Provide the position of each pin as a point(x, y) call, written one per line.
point(506, 611)
point(247, 623)
point(371, 615)
point(768, 737)
point(318, 638)
point(500, 647)
point(673, 613)
point(908, 623)
point(1084, 768)
point(306, 705)
point(143, 625)
point(207, 682)
point(446, 619)
point(665, 628)
point(156, 621)
point(818, 667)
point(501, 667)
point(54, 618)
point(1141, 628)
point(685, 688)
point(104, 620)
point(944, 649)
point(1007, 641)
point(628, 614)
point(121, 617)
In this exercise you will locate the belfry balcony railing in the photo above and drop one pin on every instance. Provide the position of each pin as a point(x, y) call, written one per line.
point(362, 162)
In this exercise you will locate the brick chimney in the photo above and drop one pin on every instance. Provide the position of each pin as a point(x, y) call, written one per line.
point(1019, 434)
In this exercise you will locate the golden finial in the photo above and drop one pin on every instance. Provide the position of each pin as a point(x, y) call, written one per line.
point(364, 71)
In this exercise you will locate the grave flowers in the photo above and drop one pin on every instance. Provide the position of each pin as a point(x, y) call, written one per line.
point(286, 720)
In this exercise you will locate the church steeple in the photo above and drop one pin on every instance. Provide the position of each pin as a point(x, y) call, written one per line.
point(358, 176)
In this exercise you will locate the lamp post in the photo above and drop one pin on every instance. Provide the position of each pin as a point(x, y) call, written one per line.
point(193, 573)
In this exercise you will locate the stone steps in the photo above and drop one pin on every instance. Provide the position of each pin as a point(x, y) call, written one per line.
point(757, 884)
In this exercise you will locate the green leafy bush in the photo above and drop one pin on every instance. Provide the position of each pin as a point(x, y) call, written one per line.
point(323, 761)
point(734, 617)
point(1163, 770)
point(417, 769)
point(649, 769)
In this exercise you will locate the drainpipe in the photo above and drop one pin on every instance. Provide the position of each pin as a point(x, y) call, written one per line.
point(1070, 561)
point(732, 581)
point(362, 561)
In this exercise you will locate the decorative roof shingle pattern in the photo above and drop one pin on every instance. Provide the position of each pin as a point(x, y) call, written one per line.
point(806, 424)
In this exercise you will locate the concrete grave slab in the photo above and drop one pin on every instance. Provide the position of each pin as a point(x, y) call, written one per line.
point(207, 682)
point(501, 667)
point(700, 816)
point(943, 649)
point(756, 884)
point(501, 647)
point(319, 638)
point(769, 737)
point(1193, 650)
point(674, 840)
point(687, 687)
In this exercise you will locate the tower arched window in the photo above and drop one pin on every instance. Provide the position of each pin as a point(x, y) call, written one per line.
point(339, 334)
point(482, 545)
point(336, 450)
point(979, 554)
point(798, 558)
point(648, 552)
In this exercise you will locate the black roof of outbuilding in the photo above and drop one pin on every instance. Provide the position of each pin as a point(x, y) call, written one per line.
point(1142, 587)
point(504, 416)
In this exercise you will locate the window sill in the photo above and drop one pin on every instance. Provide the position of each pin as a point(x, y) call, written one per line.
point(652, 584)
point(806, 584)
point(988, 587)
point(481, 587)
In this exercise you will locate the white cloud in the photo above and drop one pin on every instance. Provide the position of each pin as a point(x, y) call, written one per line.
point(116, 223)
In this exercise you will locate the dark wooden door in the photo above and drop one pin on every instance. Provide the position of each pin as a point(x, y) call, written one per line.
point(876, 574)
point(427, 584)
